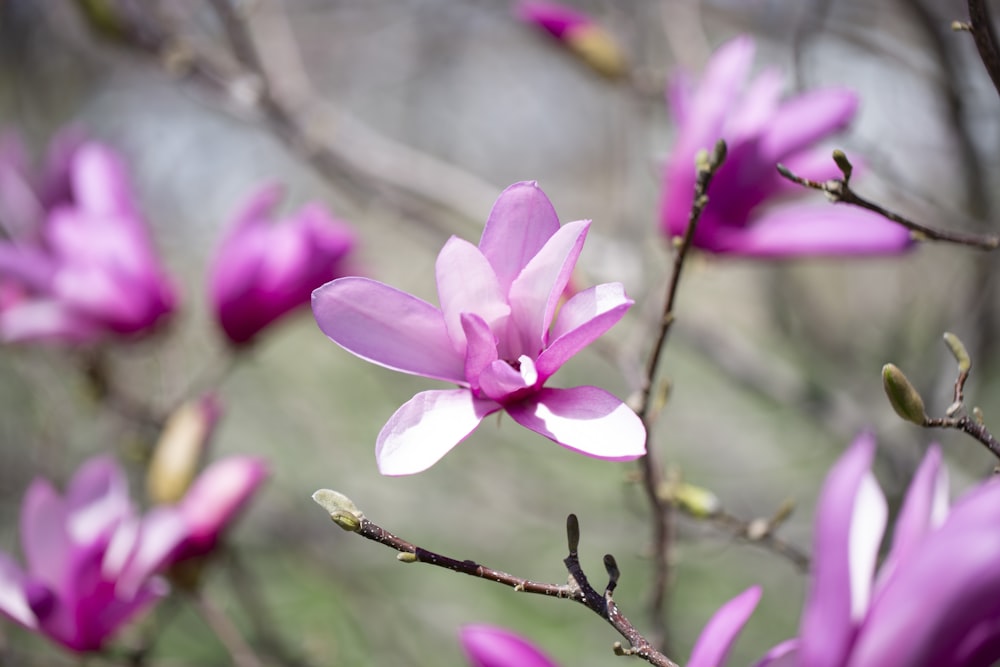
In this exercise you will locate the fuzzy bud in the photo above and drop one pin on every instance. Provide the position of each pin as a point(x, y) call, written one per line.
point(903, 396)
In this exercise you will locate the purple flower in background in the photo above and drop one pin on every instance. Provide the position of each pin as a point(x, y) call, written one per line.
point(935, 602)
point(77, 262)
point(761, 130)
point(214, 501)
point(578, 31)
point(488, 646)
point(265, 269)
point(495, 335)
point(89, 558)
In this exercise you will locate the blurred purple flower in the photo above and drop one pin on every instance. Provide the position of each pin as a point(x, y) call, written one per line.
point(265, 269)
point(936, 599)
point(77, 262)
point(761, 130)
point(488, 646)
point(578, 31)
point(214, 501)
point(494, 336)
point(90, 558)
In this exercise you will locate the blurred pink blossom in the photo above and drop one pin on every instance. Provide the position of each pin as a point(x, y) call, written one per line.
point(495, 336)
point(76, 260)
point(265, 268)
point(935, 602)
point(577, 31)
point(762, 130)
point(90, 559)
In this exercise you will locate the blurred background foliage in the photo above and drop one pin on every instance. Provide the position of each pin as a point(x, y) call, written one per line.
point(433, 106)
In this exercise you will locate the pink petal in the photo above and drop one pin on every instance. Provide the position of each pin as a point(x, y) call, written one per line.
point(535, 294)
point(100, 181)
point(805, 119)
point(850, 519)
point(721, 631)
point(501, 381)
point(521, 221)
point(585, 419)
point(388, 327)
point(467, 284)
point(45, 320)
point(582, 320)
point(811, 230)
point(159, 534)
point(481, 350)
point(47, 546)
point(426, 428)
point(97, 500)
point(488, 646)
point(924, 509)
point(785, 654)
point(13, 593)
point(953, 573)
point(756, 109)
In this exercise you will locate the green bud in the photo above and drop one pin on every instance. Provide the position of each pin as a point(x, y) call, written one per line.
point(342, 510)
point(719, 153)
point(843, 164)
point(406, 557)
point(905, 399)
point(696, 500)
point(958, 351)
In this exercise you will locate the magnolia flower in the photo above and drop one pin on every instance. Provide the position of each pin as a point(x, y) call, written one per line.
point(265, 269)
point(495, 335)
point(77, 263)
point(761, 130)
point(90, 559)
point(578, 31)
point(935, 602)
point(488, 646)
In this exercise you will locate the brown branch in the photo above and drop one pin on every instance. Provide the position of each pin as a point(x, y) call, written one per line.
point(985, 37)
point(652, 470)
point(840, 192)
point(345, 514)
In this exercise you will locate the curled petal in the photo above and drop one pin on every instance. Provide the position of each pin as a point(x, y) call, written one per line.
point(808, 229)
point(535, 293)
point(426, 428)
point(785, 654)
point(388, 327)
point(488, 646)
point(14, 602)
point(500, 381)
point(582, 320)
point(585, 419)
point(850, 519)
point(467, 284)
point(521, 221)
point(722, 629)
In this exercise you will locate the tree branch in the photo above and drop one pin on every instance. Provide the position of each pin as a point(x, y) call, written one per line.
point(985, 37)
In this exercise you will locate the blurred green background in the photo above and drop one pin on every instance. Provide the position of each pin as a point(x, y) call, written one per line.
point(434, 107)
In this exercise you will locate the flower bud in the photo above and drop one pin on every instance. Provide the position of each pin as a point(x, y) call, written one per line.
point(180, 449)
point(342, 509)
point(958, 351)
point(905, 399)
point(581, 34)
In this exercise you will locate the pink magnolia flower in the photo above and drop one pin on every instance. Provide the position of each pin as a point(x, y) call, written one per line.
point(495, 335)
point(264, 269)
point(90, 559)
point(77, 263)
point(488, 646)
point(214, 501)
point(578, 31)
point(761, 130)
point(935, 602)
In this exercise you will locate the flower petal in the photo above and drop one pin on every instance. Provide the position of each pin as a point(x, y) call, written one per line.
point(955, 573)
point(46, 544)
point(785, 654)
point(535, 294)
point(808, 229)
point(45, 319)
point(13, 593)
point(924, 509)
point(521, 221)
point(582, 320)
point(159, 534)
point(388, 327)
point(805, 119)
point(501, 381)
point(481, 347)
point(850, 519)
point(585, 419)
point(97, 500)
point(467, 284)
point(426, 428)
point(721, 631)
point(488, 646)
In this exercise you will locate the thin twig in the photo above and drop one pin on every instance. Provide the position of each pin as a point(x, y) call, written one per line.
point(240, 652)
point(985, 37)
point(652, 471)
point(840, 192)
point(761, 533)
point(346, 515)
